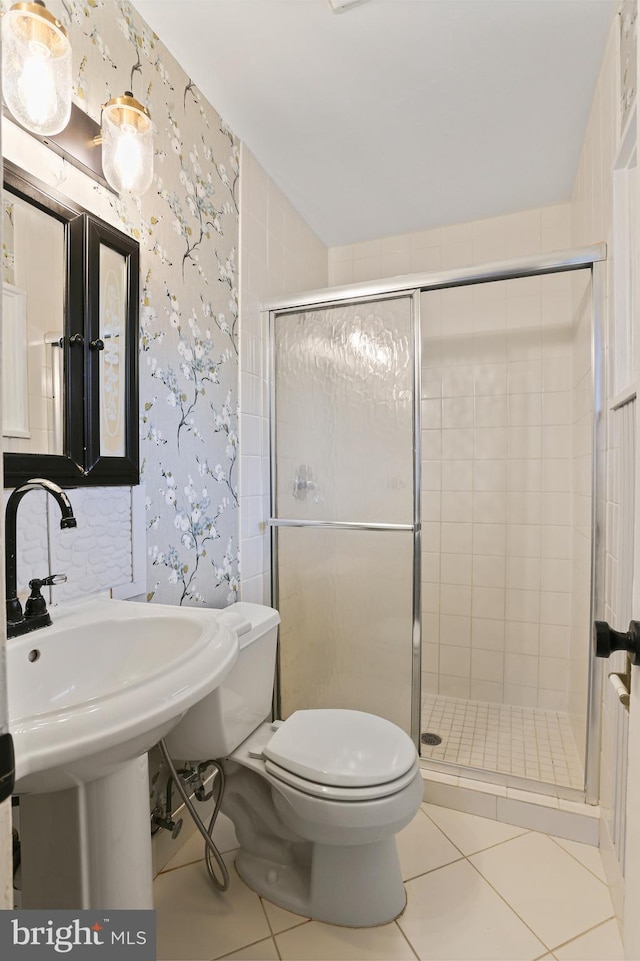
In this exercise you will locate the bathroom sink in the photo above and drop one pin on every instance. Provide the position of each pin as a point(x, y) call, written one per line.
point(104, 683)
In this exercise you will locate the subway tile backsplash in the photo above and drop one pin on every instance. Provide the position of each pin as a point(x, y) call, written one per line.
point(105, 551)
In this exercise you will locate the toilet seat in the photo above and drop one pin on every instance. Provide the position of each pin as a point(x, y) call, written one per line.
point(330, 792)
point(336, 748)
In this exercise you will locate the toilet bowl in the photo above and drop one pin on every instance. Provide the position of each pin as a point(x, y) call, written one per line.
point(317, 799)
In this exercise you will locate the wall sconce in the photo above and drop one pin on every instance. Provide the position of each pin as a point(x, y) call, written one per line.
point(36, 68)
point(127, 145)
point(37, 84)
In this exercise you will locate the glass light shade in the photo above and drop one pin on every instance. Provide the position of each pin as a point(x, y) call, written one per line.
point(36, 68)
point(127, 145)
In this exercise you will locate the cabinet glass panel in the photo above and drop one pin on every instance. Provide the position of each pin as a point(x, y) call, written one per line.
point(113, 320)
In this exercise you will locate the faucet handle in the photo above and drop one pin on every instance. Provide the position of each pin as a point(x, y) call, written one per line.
point(36, 604)
point(38, 582)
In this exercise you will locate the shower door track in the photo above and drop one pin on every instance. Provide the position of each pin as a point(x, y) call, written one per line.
point(530, 266)
point(577, 258)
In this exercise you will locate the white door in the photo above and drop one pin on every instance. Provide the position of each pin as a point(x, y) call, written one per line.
point(631, 927)
point(626, 340)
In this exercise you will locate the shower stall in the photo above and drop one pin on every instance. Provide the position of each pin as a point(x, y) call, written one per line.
point(435, 446)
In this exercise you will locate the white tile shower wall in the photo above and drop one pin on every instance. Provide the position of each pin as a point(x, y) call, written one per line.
point(497, 480)
point(475, 242)
point(494, 458)
point(96, 555)
point(279, 255)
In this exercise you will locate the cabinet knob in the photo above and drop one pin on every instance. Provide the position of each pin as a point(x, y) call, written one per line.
point(607, 640)
point(76, 339)
point(97, 344)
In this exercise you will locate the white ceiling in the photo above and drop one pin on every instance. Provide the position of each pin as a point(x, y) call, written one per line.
point(397, 115)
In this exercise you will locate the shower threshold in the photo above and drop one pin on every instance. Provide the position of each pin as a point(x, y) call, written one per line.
point(515, 742)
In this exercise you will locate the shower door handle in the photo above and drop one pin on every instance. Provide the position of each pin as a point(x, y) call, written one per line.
point(606, 640)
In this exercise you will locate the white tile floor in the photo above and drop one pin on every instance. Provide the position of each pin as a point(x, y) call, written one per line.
point(476, 889)
point(525, 742)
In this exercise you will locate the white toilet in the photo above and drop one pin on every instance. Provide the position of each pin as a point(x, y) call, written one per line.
point(316, 800)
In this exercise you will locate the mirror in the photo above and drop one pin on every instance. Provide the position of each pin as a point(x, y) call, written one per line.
point(70, 336)
point(33, 291)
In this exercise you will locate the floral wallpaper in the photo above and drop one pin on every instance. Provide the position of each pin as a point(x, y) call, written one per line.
point(628, 15)
point(187, 226)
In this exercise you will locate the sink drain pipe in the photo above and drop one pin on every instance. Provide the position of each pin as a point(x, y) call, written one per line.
point(211, 852)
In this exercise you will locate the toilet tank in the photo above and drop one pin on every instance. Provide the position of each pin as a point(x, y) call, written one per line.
point(216, 725)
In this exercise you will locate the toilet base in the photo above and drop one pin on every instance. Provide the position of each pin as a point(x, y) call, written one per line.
point(355, 886)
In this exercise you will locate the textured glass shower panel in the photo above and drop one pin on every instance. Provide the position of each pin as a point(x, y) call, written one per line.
point(345, 598)
point(344, 413)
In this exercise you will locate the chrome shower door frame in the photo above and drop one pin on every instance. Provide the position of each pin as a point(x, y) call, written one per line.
point(277, 522)
point(591, 257)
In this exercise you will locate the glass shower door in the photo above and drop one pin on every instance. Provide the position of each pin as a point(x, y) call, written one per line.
point(344, 508)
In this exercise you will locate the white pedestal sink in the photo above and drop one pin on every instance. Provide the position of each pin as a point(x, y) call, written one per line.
point(88, 697)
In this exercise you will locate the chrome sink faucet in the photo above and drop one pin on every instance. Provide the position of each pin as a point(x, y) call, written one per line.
point(35, 614)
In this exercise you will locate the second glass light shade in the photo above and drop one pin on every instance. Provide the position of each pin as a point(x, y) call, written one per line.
point(127, 145)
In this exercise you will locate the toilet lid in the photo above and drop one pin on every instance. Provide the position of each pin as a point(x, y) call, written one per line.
point(342, 748)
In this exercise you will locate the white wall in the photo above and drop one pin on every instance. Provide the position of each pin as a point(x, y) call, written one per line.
point(279, 255)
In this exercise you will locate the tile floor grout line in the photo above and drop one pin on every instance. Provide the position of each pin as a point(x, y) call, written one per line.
point(490, 846)
point(277, 947)
point(443, 833)
point(298, 924)
point(187, 864)
point(549, 950)
point(431, 870)
point(588, 931)
point(264, 911)
point(249, 945)
point(403, 934)
point(512, 909)
point(586, 867)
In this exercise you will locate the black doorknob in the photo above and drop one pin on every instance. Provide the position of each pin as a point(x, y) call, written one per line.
point(607, 640)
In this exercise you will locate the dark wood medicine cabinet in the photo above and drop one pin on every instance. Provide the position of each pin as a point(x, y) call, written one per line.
point(70, 341)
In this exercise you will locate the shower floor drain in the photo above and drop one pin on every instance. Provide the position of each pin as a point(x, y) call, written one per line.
point(431, 739)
